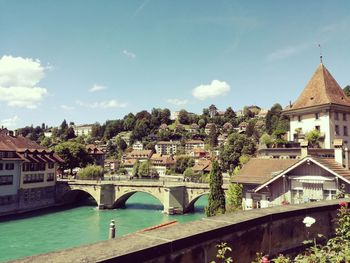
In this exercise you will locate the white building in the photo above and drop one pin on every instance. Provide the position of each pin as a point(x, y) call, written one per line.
point(322, 106)
point(82, 129)
point(137, 146)
point(166, 148)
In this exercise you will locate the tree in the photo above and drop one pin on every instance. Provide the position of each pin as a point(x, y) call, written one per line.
point(237, 145)
point(184, 117)
point(182, 163)
point(46, 142)
point(140, 130)
point(213, 136)
point(129, 122)
point(313, 137)
point(144, 169)
point(135, 169)
point(90, 172)
point(230, 116)
point(165, 116)
point(216, 200)
point(188, 173)
point(74, 155)
point(272, 118)
point(96, 131)
point(234, 197)
point(69, 133)
point(347, 90)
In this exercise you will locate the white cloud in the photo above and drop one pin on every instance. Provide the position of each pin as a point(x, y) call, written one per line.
point(10, 122)
point(129, 54)
point(66, 107)
point(289, 51)
point(177, 102)
point(18, 79)
point(102, 104)
point(214, 89)
point(97, 87)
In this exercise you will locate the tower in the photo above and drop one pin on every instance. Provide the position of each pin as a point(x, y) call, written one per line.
point(323, 106)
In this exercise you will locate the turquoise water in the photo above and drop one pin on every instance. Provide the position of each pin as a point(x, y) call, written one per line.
point(63, 228)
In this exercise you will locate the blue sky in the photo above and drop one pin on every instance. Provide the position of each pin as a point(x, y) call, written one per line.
point(88, 61)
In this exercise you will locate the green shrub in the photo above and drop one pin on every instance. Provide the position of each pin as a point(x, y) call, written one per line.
point(90, 172)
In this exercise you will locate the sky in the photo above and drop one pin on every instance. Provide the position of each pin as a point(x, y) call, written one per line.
point(89, 61)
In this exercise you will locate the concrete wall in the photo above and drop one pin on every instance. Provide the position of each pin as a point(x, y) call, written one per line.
point(270, 231)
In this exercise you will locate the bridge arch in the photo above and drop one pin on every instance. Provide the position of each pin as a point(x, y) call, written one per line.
point(75, 195)
point(193, 200)
point(123, 198)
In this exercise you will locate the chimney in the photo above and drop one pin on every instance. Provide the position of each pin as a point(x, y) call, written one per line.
point(304, 152)
point(338, 151)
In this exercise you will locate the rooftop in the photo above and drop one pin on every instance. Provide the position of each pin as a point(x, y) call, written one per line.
point(322, 89)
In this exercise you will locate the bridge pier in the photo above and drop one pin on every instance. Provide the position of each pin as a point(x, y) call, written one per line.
point(174, 198)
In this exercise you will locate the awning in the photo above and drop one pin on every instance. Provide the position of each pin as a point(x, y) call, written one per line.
point(314, 179)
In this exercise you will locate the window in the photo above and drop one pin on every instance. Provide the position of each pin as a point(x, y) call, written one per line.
point(9, 166)
point(336, 116)
point(299, 118)
point(344, 116)
point(50, 165)
point(345, 131)
point(336, 130)
point(33, 178)
point(6, 179)
point(1, 166)
point(317, 116)
point(329, 194)
point(50, 177)
point(317, 128)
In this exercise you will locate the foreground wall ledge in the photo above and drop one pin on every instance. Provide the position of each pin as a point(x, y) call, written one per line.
point(161, 244)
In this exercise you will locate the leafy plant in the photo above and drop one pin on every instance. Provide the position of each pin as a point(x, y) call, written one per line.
point(223, 248)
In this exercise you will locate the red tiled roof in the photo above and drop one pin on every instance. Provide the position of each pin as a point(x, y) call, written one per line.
point(322, 89)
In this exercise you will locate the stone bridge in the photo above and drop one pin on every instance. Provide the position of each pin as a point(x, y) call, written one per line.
point(176, 197)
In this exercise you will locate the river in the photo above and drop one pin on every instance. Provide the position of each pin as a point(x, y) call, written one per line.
point(60, 228)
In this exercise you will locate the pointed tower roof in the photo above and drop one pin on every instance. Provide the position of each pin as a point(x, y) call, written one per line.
point(322, 89)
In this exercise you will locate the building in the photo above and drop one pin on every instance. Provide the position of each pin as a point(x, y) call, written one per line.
point(167, 147)
point(199, 153)
point(194, 128)
point(242, 127)
point(192, 144)
point(97, 155)
point(139, 155)
point(202, 166)
point(208, 127)
point(321, 106)
point(160, 163)
point(82, 130)
point(294, 181)
point(27, 174)
point(137, 146)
